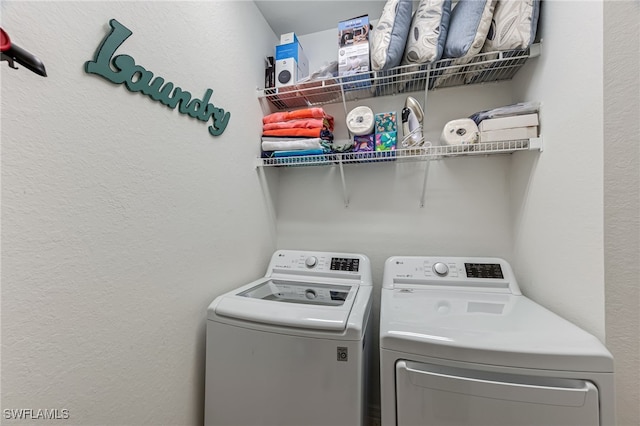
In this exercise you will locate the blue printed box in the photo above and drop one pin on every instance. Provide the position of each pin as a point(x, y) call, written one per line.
point(386, 122)
point(386, 141)
point(364, 143)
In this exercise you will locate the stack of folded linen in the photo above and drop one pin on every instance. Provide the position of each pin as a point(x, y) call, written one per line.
point(306, 131)
point(508, 123)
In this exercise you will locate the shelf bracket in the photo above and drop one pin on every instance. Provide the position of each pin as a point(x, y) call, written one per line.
point(266, 191)
point(536, 144)
point(424, 182)
point(344, 184)
point(344, 99)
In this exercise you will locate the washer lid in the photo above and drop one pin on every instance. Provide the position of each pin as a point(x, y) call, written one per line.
point(487, 328)
point(289, 303)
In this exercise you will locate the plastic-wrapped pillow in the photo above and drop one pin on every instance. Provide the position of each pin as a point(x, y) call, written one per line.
point(514, 25)
point(428, 32)
point(389, 37)
point(468, 28)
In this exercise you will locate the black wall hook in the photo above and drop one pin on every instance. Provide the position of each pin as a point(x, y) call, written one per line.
point(12, 53)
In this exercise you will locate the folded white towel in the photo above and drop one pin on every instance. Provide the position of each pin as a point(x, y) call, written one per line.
point(292, 144)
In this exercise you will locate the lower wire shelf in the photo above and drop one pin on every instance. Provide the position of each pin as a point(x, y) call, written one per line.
point(425, 154)
point(405, 154)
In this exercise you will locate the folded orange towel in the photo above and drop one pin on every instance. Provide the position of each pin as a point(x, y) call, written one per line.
point(303, 123)
point(296, 115)
point(311, 133)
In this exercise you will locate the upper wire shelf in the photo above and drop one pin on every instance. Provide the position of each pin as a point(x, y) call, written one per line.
point(483, 68)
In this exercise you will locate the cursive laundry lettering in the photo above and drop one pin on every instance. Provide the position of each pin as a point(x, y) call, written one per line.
point(122, 69)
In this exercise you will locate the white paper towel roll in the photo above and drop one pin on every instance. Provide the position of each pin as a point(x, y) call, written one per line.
point(360, 121)
point(460, 132)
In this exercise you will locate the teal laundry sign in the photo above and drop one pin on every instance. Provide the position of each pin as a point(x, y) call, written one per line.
point(122, 69)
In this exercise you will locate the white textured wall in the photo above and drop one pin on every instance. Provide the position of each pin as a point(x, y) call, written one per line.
point(466, 211)
point(122, 219)
point(557, 197)
point(622, 200)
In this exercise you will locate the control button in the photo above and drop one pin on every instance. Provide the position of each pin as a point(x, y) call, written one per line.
point(427, 269)
point(440, 269)
point(310, 294)
point(311, 261)
point(453, 270)
point(443, 307)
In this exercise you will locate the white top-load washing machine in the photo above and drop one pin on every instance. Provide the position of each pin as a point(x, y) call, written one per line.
point(292, 348)
point(460, 345)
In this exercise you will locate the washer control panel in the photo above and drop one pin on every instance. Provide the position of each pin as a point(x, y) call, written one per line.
point(473, 272)
point(306, 261)
point(320, 264)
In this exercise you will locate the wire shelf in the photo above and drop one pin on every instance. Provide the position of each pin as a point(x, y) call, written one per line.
point(408, 154)
point(483, 68)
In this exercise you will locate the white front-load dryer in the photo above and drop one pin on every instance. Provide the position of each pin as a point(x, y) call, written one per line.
point(461, 346)
point(292, 348)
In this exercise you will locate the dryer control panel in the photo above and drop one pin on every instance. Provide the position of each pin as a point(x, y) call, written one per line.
point(321, 264)
point(488, 274)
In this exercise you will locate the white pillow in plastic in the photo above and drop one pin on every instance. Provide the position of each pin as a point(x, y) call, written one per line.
point(389, 37)
point(513, 26)
point(468, 28)
point(428, 32)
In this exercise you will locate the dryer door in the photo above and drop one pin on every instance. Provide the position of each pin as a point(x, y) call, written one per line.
point(435, 395)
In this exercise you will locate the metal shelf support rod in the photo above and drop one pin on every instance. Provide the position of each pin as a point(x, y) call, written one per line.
point(424, 126)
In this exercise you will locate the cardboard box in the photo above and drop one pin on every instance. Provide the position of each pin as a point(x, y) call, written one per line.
point(353, 46)
point(517, 133)
point(291, 64)
point(525, 120)
point(288, 38)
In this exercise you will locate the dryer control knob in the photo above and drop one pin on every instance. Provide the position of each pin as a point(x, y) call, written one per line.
point(310, 294)
point(440, 269)
point(311, 261)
